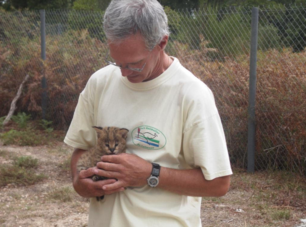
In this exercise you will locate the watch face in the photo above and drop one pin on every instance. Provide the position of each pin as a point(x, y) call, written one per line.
point(153, 181)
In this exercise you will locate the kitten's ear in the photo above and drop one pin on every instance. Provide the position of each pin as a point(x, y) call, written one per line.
point(123, 132)
point(98, 130)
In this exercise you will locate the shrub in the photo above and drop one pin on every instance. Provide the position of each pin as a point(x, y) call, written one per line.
point(65, 72)
point(64, 194)
point(21, 119)
point(46, 125)
point(214, 49)
point(23, 138)
point(291, 26)
point(280, 105)
point(281, 215)
point(21, 173)
point(26, 162)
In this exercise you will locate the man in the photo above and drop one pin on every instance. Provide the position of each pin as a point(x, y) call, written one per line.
point(176, 149)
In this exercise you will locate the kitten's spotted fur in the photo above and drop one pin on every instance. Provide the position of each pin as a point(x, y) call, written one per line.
point(110, 140)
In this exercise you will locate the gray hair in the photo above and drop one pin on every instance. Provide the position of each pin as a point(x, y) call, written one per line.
point(123, 18)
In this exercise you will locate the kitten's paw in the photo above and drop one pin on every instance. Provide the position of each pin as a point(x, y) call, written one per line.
point(97, 178)
point(100, 198)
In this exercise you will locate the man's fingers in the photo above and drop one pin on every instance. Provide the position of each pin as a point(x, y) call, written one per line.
point(100, 172)
point(107, 174)
point(109, 166)
point(113, 191)
point(119, 158)
point(99, 186)
point(102, 183)
point(87, 173)
point(117, 186)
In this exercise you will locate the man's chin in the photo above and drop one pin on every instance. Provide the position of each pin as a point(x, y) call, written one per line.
point(134, 79)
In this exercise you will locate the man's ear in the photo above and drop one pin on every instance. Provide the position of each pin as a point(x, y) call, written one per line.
point(164, 42)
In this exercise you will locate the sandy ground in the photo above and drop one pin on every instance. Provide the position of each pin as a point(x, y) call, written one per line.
point(34, 206)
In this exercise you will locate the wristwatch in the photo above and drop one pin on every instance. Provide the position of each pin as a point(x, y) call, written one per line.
point(153, 180)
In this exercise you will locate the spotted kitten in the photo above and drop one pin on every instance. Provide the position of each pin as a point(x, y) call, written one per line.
point(110, 141)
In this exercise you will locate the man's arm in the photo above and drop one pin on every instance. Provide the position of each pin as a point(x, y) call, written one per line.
point(84, 185)
point(192, 182)
point(131, 170)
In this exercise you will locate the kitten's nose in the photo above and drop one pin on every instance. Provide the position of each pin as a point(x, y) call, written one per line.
point(112, 149)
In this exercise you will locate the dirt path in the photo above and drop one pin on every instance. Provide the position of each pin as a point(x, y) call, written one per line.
point(53, 203)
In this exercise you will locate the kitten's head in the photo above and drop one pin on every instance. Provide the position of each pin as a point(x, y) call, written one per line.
point(111, 140)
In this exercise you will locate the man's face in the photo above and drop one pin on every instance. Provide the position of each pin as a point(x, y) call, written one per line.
point(132, 53)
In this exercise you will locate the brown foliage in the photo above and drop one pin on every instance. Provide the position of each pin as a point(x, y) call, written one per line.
point(280, 97)
point(280, 104)
point(71, 60)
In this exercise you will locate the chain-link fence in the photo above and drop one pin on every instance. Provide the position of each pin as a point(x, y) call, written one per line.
point(213, 44)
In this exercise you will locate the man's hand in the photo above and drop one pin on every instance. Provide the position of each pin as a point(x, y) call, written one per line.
point(86, 187)
point(82, 182)
point(130, 171)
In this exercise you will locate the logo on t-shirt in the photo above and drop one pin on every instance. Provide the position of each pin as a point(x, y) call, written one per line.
point(148, 137)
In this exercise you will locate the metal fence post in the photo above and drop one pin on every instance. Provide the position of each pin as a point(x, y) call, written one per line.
point(43, 56)
point(252, 91)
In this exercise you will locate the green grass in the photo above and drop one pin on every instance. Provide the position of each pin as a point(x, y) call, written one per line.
point(19, 176)
point(6, 154)
point(64, 194)
point(21, 119)
point(27, 137)
point(281, 215)
point(22, 172)
point(26, 162)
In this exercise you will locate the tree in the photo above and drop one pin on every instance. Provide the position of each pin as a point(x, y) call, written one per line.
point(36, 4)
point(91, 4)
point(178, 4)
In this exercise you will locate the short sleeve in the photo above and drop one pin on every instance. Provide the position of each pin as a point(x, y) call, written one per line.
point(204, 143)
point(81, 134)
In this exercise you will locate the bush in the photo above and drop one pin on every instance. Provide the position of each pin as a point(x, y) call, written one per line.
point(26, 162)
point(65, 71)
point(291, 25)
point(21, 173)
point(268, 38)
point(23, 138)
point(21, 119)
point(64, 194)
point(216, 50)
point(280, 105)
point(91, 21)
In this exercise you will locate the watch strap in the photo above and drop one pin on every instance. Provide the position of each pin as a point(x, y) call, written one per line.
point(155, 169)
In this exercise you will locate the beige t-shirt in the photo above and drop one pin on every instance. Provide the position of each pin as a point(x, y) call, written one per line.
point(173, 121)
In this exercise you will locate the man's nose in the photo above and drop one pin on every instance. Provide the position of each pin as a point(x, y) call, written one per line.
point(126, 72)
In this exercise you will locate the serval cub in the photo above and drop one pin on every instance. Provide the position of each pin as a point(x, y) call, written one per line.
point(110, 141)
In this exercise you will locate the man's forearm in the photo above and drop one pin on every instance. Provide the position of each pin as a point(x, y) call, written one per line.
point(192, 182)
point(133, 171)
point(73, 164)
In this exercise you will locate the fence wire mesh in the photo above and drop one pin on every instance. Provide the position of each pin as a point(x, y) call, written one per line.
point(213, 44)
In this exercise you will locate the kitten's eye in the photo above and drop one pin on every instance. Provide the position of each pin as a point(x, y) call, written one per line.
point(107, 144)
point(116, 144)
